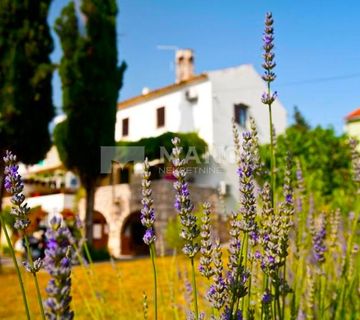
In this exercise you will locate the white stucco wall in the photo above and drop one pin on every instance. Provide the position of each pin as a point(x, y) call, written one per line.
point(232, 86)
point(52, 203)
point(352, 128)
point(242, 84)
point(180, 115)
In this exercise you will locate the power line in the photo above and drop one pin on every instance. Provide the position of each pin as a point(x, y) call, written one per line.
point(323, 79)
point(302, 82)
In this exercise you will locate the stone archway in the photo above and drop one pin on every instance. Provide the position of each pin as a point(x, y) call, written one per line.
point(100, 231)
point(132, 233)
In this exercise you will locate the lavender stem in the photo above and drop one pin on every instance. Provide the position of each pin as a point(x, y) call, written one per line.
point(153, 255)
point(16, 267)
point(194, 289)
point(38, 293)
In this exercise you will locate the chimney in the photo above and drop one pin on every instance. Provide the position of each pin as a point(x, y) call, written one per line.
point(184, 65)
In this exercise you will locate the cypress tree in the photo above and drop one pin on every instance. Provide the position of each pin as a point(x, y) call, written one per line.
point(91, 80)
point(25, 78)
point(25, 81)
point(26, 107)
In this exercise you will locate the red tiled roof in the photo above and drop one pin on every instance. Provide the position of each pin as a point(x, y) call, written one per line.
point(353, 115)
point(159, 92)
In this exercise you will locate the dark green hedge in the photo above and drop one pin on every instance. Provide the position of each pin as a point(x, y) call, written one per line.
point(153, 144)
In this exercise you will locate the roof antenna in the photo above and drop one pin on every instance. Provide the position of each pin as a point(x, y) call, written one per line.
point(169, 48)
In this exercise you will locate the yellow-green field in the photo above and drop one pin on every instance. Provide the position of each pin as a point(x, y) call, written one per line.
point(118, 290)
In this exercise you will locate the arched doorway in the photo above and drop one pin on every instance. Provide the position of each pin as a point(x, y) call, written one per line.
point(132, 234)
point(100, 231)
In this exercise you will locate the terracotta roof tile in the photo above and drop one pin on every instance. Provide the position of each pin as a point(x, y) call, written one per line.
point(353, 115)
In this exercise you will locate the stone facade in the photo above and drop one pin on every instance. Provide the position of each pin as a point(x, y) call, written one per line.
point(121, 202)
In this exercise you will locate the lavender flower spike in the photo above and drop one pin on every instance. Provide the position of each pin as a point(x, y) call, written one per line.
point(268, 40)
point(245, 172)
point(300, 187)
point(14, 185)
point(270, 234)
point(58, 264)
point(206, 243)
point(38, 263)
point(255, 146)
point(286, 210)
point(319, 246)
point(268, 97)
point(147, 211)
point(183, 204)
point(234, 245)
point(218, 291)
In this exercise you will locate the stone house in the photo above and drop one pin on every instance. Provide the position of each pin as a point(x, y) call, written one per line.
point(203, 103)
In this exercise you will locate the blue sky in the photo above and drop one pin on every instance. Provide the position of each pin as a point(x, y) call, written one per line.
point(317, 47)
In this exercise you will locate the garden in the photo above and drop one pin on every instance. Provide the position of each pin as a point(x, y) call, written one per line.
point(292, 240)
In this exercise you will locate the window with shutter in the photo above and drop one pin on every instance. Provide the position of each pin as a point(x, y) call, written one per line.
point(160, 117)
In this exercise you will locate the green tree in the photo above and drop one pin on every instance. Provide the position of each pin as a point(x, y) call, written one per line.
point(26, 106)
point(324, 156)
point(91, 80)
point(300, 121)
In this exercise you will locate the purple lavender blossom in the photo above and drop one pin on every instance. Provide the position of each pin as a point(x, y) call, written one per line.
point(267, 297)
point(37, 265)
point(319, 247)
point(254, 237)
point(255, 150)
point(183, 205)
point(147, 211)
point(268, 39)
point(269, 76)
point(228, 316)
point(266, 300)
point(217, 293)
point(236, 138)
point(300, 187)
point(57, 263)
point(149, 236)
point(268, 98)
point(286, 211)
point(206, 248)
point(270, 233)
point(235, 244)
point(14, 185)
point(235, 276)
point(246, 180)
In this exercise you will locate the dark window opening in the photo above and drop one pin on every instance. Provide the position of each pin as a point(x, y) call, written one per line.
point(157, 171)
point(124, 175)
point(160, 117)
point(240, 114)
point(125, 127)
